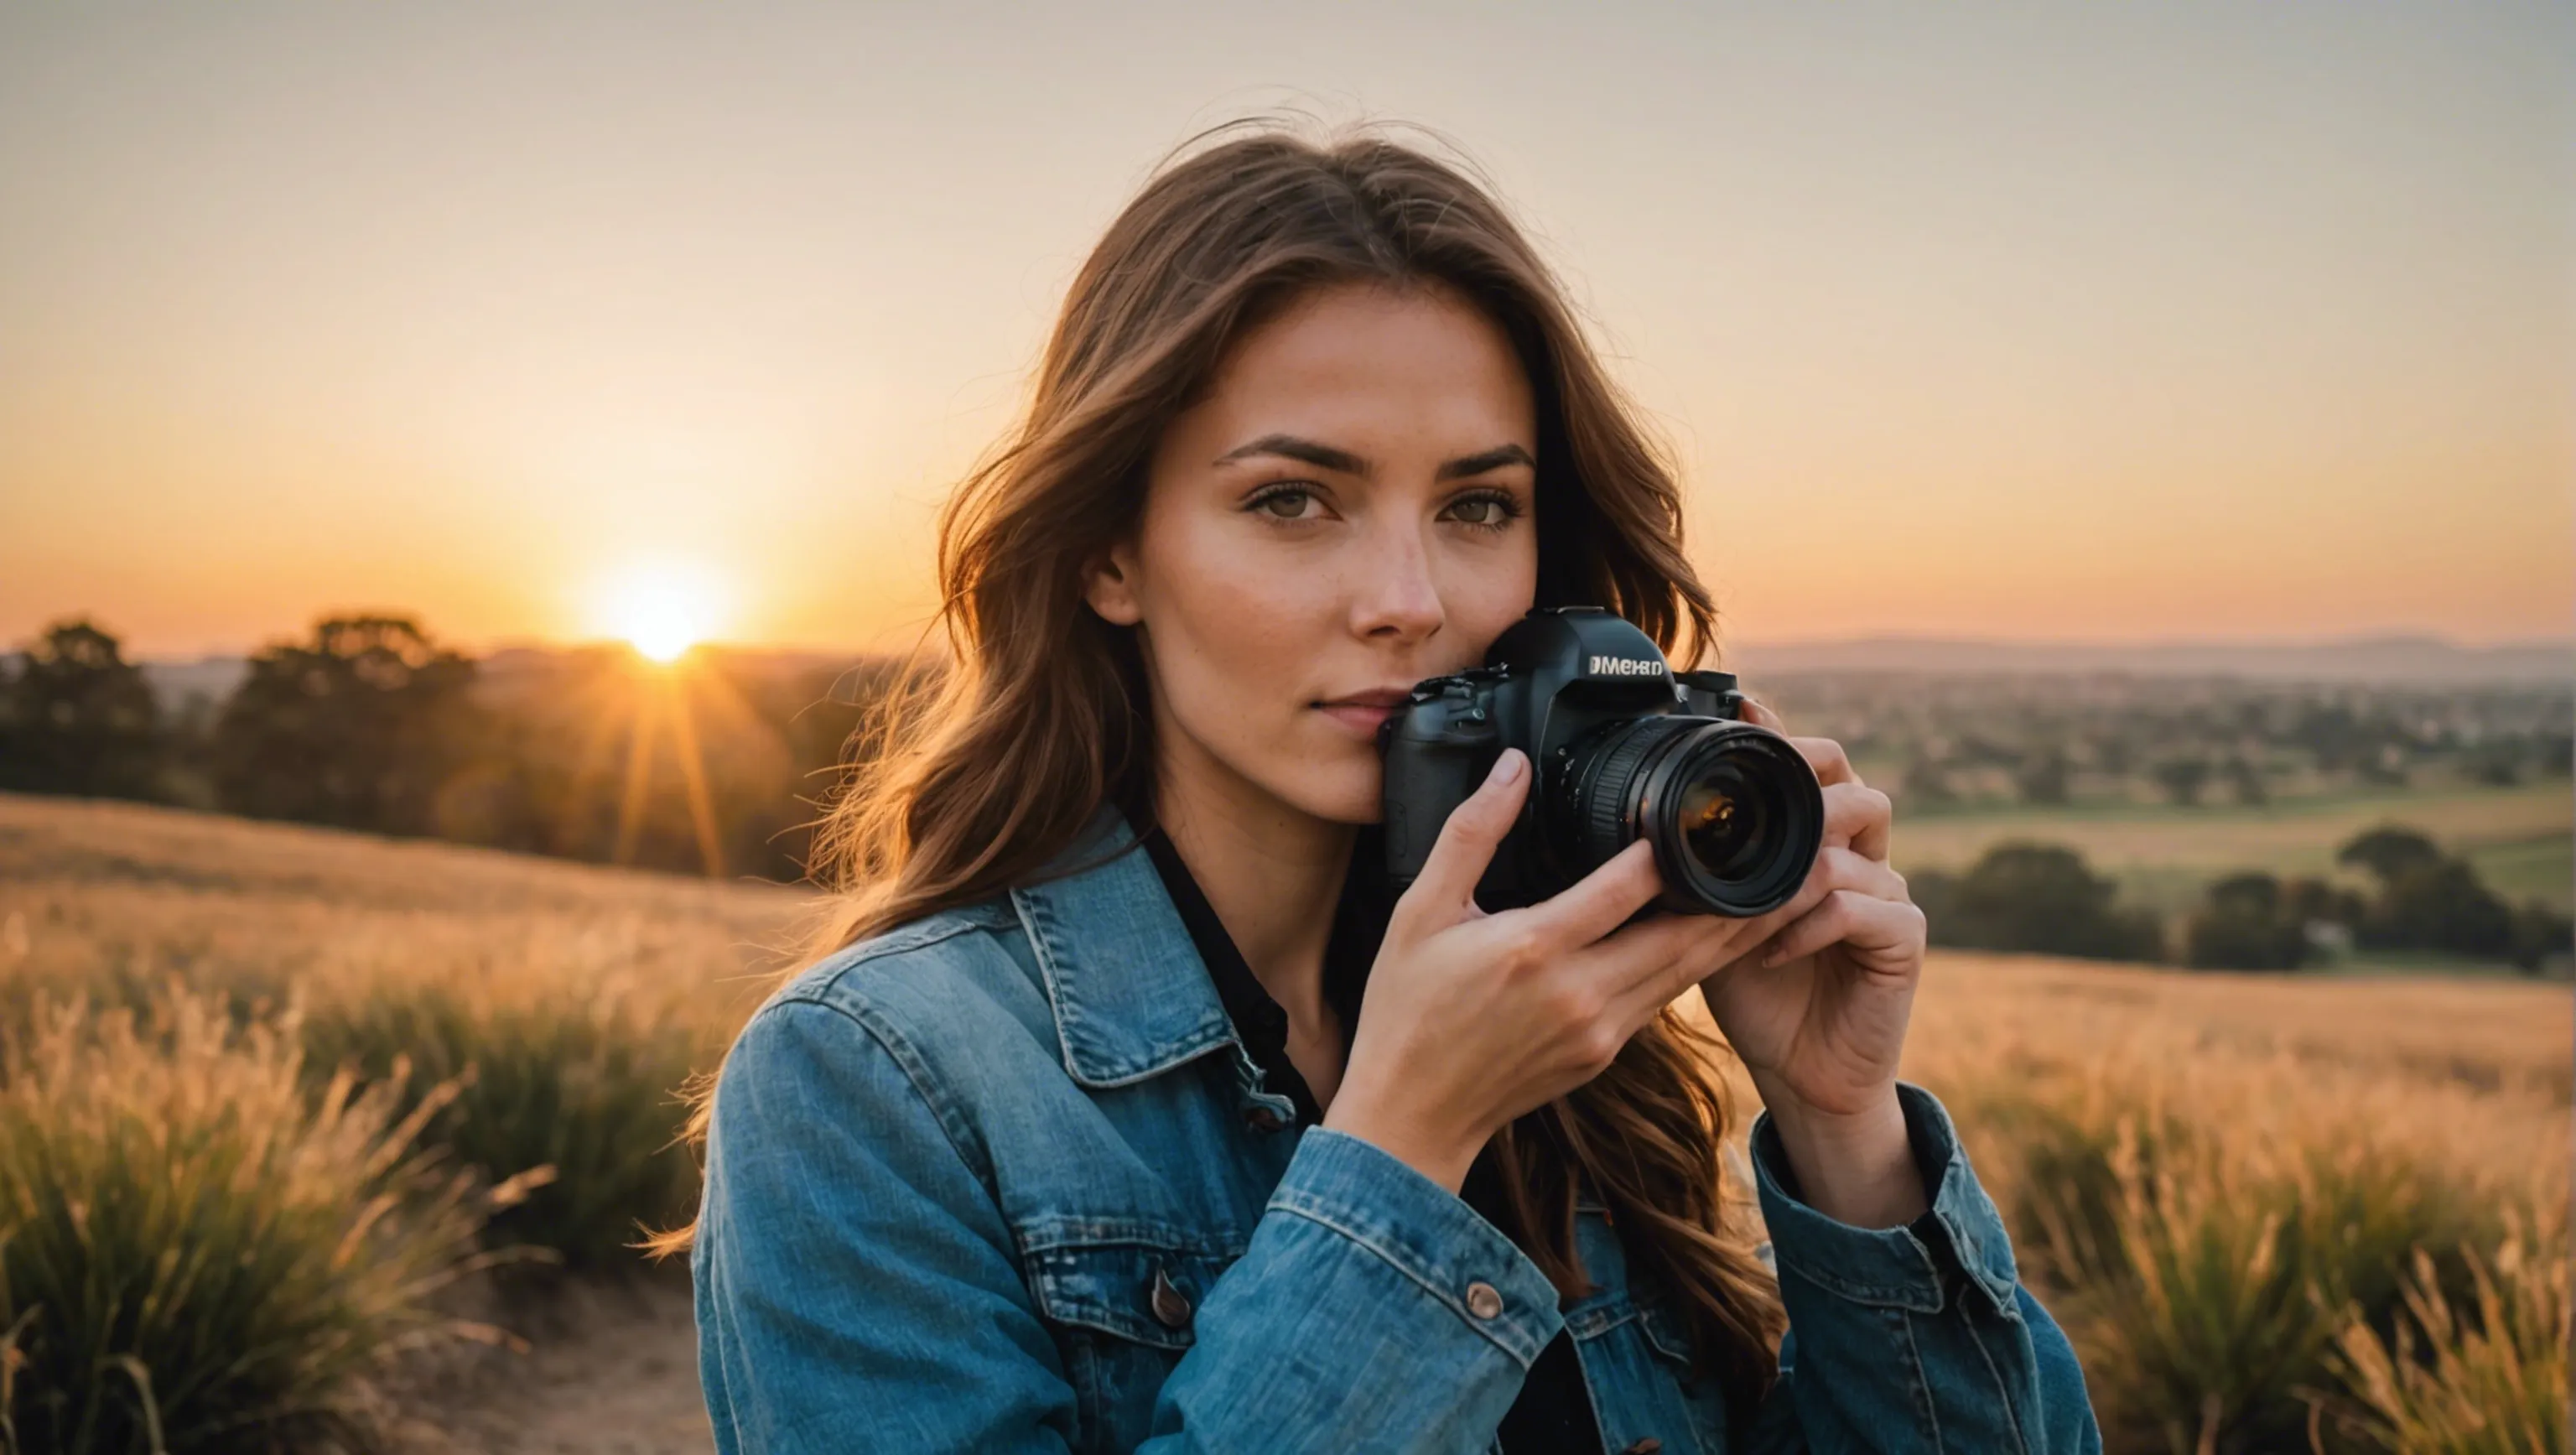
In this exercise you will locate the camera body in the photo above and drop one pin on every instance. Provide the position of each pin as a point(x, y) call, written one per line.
point(1622, 748)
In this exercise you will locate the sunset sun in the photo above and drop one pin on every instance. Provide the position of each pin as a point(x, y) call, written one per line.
point(662, 607)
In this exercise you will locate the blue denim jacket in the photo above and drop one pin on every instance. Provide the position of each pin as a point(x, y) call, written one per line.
point(1002, 1179)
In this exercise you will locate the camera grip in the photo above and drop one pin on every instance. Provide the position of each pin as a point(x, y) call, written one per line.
point(1430, 770)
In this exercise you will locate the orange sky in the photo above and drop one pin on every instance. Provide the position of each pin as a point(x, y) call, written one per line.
point(2223, 321)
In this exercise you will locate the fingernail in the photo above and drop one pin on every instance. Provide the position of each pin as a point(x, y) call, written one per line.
point(1507, 766)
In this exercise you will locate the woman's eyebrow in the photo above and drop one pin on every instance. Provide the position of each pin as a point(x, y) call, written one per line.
point(1493, 459)
point(1306, 451)
point(1343, 462)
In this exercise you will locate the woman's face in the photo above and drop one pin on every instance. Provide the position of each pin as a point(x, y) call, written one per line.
point(1348, 510)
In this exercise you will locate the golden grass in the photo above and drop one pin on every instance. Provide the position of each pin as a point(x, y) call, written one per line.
point(2232, 1189)
point(121, 899)
point(204, 1251)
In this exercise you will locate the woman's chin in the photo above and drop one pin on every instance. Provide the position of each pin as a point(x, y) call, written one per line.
point(1343, 798)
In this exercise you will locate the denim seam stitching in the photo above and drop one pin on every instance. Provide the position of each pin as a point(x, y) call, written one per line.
point(908, 1060)
point(1039, 923)
point(877, 949)
point(1923, 1406)
point(2003, 1395)
point(1059, 1233)
point(1875, 1295)
point(1400, 1265)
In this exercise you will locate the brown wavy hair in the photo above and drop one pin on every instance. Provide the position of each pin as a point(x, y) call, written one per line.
point(987, 767)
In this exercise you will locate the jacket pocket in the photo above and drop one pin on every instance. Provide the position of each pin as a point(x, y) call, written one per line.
point(1122, 1313)
point(1636, 1358)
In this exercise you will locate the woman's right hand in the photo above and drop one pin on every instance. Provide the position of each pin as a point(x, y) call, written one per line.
point(1473, 1019)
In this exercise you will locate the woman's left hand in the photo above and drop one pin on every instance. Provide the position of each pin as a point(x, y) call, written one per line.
point(1818, 1009)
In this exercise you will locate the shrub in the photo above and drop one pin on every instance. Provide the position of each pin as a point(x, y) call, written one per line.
point(2491, 1383)
point(2388, 850)
point(201, 1254)
point(2440, 906)
point(570, 1085)
point(2038, 898)
point(2246, 925)
point(2540, 934)
point(2211, 1262)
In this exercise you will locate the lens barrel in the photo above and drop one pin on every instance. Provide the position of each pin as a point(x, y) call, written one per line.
point(1734, 812)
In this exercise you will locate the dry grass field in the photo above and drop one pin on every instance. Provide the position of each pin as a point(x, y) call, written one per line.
point(363, 1104)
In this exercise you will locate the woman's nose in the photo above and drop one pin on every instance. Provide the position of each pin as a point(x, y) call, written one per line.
point(1395, 595)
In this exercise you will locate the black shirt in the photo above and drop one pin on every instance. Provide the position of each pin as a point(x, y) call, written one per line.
point(1552, 1414)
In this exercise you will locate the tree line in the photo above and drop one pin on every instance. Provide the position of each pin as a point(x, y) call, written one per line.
point(367, 722)
point(2043, 898)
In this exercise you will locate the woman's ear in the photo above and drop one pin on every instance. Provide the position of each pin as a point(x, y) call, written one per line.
point(1109, 584)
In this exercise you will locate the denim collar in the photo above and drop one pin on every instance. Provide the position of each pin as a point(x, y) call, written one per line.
point(1131, 997)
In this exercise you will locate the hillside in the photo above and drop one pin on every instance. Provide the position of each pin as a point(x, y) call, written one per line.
point(595, 991)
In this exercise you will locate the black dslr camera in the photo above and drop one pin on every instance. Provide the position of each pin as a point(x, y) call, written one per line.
point(1622, 748)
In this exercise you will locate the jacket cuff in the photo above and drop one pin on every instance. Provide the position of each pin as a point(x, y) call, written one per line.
point(1962, 1236)
point(1428, 1233)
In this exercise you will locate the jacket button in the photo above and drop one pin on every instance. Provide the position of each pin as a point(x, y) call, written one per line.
point(1482, 1301)
point(1262, 1119)
point(1170, 1305)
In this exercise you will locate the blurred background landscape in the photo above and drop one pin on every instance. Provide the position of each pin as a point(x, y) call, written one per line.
point(466, 471)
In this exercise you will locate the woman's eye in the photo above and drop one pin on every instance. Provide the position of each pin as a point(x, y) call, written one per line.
point(1482, 510)
point(1285, 504)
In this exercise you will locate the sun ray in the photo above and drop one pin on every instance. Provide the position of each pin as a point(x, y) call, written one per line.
point(693, 778)
point(639, 780)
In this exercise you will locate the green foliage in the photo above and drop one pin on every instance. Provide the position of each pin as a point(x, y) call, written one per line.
point(2389, 850)
point(572, 1088)
point(2253, 921)
point(2481, 1375)
point(202, 1253)
point(2540, 934)
point(2440, 906)
point(2217, 1276)
point(356, 728)
point(76, 717)
point(2039, 898)
point(2429, 900)
point(2183, 777)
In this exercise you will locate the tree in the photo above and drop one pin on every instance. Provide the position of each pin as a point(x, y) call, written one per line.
point(2248, 922)
point(357, 727)
point(2540, 934)
point(2039, 898)
point(2388, 850)
point(2182, 779)
point(2319, 902)
point(76, 717)
point(2441, 905)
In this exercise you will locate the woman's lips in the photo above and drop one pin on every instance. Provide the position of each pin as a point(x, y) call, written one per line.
point(1361, 712)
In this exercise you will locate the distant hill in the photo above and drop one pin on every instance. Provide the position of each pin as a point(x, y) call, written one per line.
point(2359, 659)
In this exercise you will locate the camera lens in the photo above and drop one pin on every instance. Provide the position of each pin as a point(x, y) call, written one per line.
point(1721, 820)
point(1734, 812)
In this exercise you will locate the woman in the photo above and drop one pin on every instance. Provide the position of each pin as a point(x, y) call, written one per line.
point(1128, 1113)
